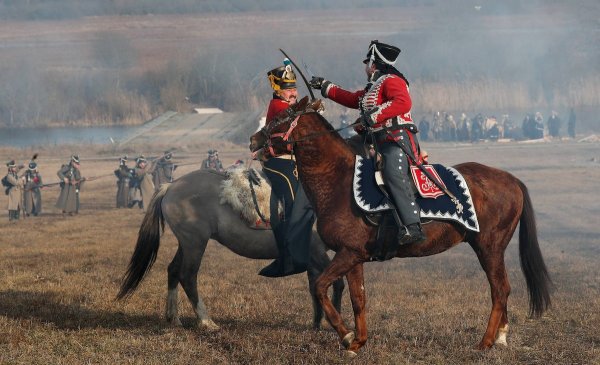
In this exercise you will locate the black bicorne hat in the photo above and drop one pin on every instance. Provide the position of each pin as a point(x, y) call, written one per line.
point(382, 53)
point(75, 158)
point(11, 163)
point(168, 155)
point(32, 166)
point(282, 77)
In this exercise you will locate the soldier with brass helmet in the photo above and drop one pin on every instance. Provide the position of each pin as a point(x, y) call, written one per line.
point(32, 194)
point(293, 230)
point(385, 106)
point(71, 183)
point(13, 187)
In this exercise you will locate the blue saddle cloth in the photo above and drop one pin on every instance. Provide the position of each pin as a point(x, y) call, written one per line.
point(369, 197)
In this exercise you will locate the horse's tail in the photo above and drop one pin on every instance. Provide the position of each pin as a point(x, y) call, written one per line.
point(532, 263)
point(147, 245)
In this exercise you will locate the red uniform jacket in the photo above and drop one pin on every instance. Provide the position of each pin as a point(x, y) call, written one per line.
point(389, 94)
point(276, 106)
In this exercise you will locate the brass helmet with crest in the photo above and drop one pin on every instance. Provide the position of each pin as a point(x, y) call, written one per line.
point(282, 77)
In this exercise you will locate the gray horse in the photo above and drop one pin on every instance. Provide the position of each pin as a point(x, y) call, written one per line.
point(191, 208)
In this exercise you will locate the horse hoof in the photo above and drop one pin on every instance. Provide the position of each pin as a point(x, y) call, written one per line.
point(209, 325)
point(501, 338)
point(501, 342)
point(350, 354)
point(347, 340)
point(174, 322)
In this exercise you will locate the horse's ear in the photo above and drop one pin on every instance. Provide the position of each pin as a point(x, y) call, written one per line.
point(315, 105)
point(301, 105)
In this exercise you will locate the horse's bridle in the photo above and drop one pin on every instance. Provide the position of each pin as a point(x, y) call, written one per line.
point(285, 136)
point(267, 130)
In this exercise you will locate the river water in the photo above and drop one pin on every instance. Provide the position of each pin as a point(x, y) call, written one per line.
point(28, 137)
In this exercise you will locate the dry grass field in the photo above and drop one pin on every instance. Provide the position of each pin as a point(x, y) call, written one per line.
point(59, 276)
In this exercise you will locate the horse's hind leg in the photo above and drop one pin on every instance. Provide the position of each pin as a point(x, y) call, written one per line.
point(172, 283)
point(184, 269)
point(495, 270)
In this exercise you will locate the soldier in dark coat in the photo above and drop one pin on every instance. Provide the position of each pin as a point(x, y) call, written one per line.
point(32, 194)
point(143, 187)
point(124, 175)
point(293, 229)
point(163, 170)
point(424, 129)
point(71, 183)
point(212, 161)
point(553, 124)
point(13, 185)
point(571, 123)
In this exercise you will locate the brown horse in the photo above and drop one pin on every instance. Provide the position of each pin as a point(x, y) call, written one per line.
point(325, 168)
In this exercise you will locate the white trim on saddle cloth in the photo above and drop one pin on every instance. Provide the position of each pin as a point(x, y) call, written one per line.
point(472, 223)
point(380, 203)
point(356, 187)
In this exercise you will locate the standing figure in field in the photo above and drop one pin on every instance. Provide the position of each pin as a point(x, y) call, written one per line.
point(13, 187)
point(477, 128)
point(385, 105)
point(424, 129)
point(71, 183)
point(124, 175)
point(553, 124)
point(32, 194)
point(463, 129)
point(538, 131)
point(144, 187)
point(212, 161)
point(571, 123)
point(163, 170)
point(293, 229)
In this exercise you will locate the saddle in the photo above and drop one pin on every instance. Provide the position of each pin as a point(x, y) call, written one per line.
point(371, 197)
point(249, 194)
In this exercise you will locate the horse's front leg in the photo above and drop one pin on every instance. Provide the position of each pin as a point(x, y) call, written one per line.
point(342, 263)
point(356, 284)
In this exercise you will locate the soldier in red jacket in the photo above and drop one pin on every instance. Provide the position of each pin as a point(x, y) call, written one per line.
point(293, 229)
point(384, 106)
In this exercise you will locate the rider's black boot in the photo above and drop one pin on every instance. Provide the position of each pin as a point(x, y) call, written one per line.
point(411, 234)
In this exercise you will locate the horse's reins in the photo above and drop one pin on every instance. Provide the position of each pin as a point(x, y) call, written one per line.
point(285, 135)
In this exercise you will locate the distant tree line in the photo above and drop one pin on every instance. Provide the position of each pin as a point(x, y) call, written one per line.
point(66, 9)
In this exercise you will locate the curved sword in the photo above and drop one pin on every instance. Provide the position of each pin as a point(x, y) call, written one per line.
point(312, 96)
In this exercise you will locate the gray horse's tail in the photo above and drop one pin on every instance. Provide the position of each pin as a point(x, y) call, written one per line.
point(147, 245)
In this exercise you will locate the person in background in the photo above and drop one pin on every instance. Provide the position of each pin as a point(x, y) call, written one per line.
point(212, 161)
point(553, 123)
point(143, 176)
point(163, 171)
point(32, 194)
point(13, 185)
point(71, 183)
point(124, 175)
point(571, 123)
